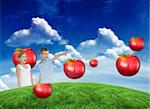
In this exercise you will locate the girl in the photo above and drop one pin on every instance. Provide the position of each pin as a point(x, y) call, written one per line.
point(23, 71)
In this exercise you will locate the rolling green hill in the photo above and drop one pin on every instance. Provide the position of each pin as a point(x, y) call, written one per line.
point(76, 96)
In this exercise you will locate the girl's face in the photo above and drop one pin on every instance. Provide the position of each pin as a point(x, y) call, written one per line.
point(23, 59)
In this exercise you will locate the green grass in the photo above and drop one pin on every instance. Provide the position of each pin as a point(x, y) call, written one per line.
point(76, 96)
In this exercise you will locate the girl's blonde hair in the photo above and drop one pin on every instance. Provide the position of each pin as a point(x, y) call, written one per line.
point(20, 54)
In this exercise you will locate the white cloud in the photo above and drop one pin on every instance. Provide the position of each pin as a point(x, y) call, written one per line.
point(115, 51)
point(3, 86)
point(107, 43)
point(88, 43)
point(13, 69)
point(119, 47)
point(108, 33)
point(63, 42)
point(73, 52)
point(5, 76)
point(40, 32)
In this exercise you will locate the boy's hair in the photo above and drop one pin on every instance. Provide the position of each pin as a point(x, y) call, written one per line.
point(43, 49)
point(20, 54)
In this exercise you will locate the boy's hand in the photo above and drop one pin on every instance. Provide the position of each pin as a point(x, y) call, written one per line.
point(65, 53)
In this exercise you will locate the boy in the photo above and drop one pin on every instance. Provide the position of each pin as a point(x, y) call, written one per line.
point(45, 66)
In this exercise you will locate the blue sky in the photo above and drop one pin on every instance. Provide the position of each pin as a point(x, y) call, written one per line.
point(77, 22)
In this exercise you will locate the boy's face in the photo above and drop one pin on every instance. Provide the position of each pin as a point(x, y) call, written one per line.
point(44, 54)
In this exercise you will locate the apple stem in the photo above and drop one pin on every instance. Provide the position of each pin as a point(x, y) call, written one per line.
point(70, 59)
point(125, 55)
point(135, 37)
point(18, 49)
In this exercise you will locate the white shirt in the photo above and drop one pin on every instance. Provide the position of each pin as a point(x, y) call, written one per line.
point(46, 71)
point(25, 75)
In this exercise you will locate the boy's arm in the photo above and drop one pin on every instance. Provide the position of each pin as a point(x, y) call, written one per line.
point(39, 78)
point(39, 81)
point(59, 55)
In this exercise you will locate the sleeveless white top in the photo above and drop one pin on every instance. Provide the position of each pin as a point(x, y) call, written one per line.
point(25, 75)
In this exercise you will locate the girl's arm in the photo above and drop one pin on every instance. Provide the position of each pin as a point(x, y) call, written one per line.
point(31, 77)
point(18, 76)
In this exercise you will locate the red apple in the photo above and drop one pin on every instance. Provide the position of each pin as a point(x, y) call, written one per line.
point(93, 62)
point(30, 55)
point(42, 90)
point(128, 65)
point(136, 43)
point(74, 69)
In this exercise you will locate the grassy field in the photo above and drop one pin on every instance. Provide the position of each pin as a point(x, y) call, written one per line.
point(76, 96)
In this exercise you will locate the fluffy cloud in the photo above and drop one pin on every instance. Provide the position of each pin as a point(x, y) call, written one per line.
point(107, 43)
point(13, 69)
point(5, 76)
point(3, 86)
point(88, 43)
point(73, 52)
point(110, 35)
point(120, 45)
point(115, 51)
point(40, 32)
